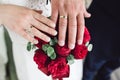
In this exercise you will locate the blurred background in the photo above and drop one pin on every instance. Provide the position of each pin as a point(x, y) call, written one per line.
point(7, 67)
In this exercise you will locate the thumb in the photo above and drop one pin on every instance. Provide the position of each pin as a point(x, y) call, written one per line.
point(38, 11)
point(86, 14)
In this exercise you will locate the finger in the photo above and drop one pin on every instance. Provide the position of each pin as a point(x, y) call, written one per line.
point(80, 25)
point(43, 19)
point(28, 37)
point(54, 15)
point(62, 25)
point(40, 35)
point(62, 31)
point(43, 27)
point(86, 14)
point(38, 11)
point(72, 31)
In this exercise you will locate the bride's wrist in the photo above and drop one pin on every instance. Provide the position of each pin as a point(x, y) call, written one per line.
point(0, 14)
point(2, 7)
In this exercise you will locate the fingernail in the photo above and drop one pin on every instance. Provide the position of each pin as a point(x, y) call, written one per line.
point(79, 42)
point(89, 15)
point(35, 41)
point(54, 25)
point(48, 39)
point(61, 43)
point(71, 46)
point(55, 33)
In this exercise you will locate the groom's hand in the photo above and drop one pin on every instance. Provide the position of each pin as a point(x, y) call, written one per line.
point(71, 15)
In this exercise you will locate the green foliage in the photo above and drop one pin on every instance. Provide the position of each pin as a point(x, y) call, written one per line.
point(30, 46)
point(70, 59)
point(45, 47)
point(90, 47)
point(53, 41)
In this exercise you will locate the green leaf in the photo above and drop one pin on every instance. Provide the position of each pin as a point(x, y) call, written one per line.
point(53, 41)
point(33, 46)
point(87, 43)
point(53, 56)
point(70, 62)
point(45, 47)
point(50, 51)
point(29, 46)
point(90, 46)
point(70, 59)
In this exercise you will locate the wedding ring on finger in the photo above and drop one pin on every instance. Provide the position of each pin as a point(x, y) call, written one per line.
point(65, 17)
point(29, 31)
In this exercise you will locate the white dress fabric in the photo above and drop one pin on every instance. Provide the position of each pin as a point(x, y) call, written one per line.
point(25, 66)
point(3, 54)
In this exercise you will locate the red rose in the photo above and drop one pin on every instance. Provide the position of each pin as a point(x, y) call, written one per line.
point(59, 68)
point(62, 50)
point(40, 43)
point(80, 51)
point(41, 60)
point(86, 36)
point(44, 70)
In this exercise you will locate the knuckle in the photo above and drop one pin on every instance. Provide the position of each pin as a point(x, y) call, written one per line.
point(61, 5)
point(61, 37)
point(81, 24)
point(51, 31)
point(49, 22)
point(47, 29)
point(27, 15)
point(63, 23)
point(73, 25)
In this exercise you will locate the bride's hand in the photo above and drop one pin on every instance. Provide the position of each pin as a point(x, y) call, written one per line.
point(71, 16)
point(26, 22)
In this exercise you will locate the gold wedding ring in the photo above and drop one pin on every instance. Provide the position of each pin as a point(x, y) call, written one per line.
point(65, 17)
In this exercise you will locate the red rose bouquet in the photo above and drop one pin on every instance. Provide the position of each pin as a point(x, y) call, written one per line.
point(54, 60)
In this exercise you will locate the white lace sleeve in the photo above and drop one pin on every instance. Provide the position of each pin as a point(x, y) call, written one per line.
point(33, 4)
point(40, 5)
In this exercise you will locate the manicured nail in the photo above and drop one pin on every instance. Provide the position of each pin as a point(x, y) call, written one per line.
point(35, 41)
point(54, 25)
point(48, 39)
point(80, 42)
point(71, 46)
point(61, 43)
point(55, 33)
